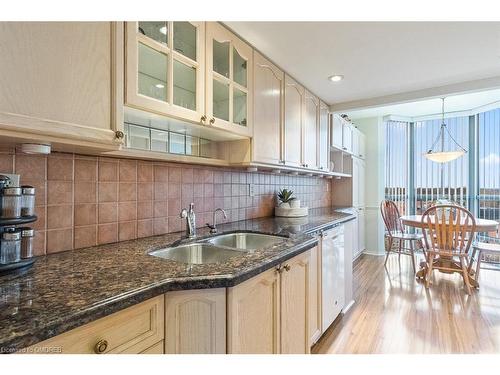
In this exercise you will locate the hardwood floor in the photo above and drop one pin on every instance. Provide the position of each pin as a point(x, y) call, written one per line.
point(394, 313)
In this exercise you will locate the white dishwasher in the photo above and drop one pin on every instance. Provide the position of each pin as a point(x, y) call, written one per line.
point(333, 275)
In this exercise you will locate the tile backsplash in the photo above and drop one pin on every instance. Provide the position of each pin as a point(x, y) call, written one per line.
point(84, 201)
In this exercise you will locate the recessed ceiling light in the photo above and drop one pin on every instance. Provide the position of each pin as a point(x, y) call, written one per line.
point(336, 78)
point(163, 30)
point(159, 85)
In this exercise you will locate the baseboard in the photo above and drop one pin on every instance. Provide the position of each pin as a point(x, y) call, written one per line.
point(348, 307)
point(373, 253)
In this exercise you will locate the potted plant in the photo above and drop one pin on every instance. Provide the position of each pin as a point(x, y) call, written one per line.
point(285, 198)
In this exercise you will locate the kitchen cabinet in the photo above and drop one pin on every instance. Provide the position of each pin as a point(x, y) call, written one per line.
point(134, 330)
point(323, 138)
point(358, 182)
point(333, 274)
point(195, 322)
point(295, 281)
point(268, 111)
point(60, 83)
point(310, 131)
point(337, 127)
point(294, 99)
point(358, 144)
point(270, 312)
point(347, 137)
point(164, 65)
point(361, 230)
point(228, 81)
point(253, 315)
point(315, 283)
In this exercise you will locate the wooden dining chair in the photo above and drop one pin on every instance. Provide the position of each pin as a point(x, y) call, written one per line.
point(448, 234)
point(394, 231)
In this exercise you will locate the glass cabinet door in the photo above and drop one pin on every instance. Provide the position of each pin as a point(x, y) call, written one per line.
point(228, 80)
point(164, 68)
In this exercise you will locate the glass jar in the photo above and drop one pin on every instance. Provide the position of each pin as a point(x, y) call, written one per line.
point(27, 235)
point(10, 247)
point(11, 202)
point(28, 200)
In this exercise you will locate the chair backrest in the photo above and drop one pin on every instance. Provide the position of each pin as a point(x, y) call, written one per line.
point(391, 216)
point(448, 229)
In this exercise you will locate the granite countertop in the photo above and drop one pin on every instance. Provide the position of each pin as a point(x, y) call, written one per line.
point(66, 290)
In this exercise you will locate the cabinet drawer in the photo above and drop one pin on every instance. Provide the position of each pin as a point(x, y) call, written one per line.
point(133, 330)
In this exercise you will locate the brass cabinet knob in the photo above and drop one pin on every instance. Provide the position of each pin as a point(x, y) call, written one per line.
point(212, 121)
point(119, 134)
point(286, 267)
point(203, 118)
point(100, 347)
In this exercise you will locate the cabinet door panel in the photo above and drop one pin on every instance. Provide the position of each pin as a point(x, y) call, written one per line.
point(228, 89)
point(253, 321)
point(295, 337)
point(56, 79)
point(315, 296)
point(294, 99)
point(323, 139)
point(164, 68)
point(347, 137)
point(310, 135)
point(268, 105)
point(337, 131)
point(195, 322)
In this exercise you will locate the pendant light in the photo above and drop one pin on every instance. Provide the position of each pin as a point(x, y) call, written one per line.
point(444, 156)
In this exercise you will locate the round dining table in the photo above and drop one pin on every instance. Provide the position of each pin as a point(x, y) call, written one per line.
point(482, 225)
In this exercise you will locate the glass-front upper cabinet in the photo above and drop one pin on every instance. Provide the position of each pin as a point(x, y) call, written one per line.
point(228, 80)
point(165, 68)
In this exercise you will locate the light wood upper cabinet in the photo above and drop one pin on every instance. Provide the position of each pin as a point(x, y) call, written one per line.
point(310, 131)
point(347, 137)
point(195, 322)
point(165, 68)
point(337, 127)
point(57, 82)
point(253, 321)
point(294, 104)
point(323, 138)
point(228, 83)
point(295, 338)
point(268, 111)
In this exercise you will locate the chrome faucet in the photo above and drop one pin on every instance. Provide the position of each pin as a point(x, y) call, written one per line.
point(190, 220)
point(213, 227)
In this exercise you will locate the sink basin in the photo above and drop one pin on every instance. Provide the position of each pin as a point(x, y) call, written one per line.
point(246, 241)
point(196, 253)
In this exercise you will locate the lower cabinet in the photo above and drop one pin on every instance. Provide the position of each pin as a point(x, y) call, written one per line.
point(137, 329)
point(315, 296)
point(195, 321)
point(277, 311)
point(270, 312)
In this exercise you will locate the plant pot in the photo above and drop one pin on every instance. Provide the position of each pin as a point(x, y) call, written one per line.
point(295, 203)
point(284, 205)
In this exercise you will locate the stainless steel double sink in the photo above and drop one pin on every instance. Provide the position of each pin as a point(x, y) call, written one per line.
point(217, 249)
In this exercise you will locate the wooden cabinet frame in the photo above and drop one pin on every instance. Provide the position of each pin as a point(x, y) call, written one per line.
point(215, 31)
point(143, 102)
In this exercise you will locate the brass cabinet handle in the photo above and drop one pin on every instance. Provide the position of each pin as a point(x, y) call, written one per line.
point(101, 346)
point(203, 118)
point(119, 134)
point(286, 267)
point(279, 269)
point(212, 121)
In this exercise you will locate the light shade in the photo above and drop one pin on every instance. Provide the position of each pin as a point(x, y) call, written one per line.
point(444, 157)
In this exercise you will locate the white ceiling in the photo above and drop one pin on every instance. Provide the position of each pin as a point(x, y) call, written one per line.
point(432, 107)
point(377, 58)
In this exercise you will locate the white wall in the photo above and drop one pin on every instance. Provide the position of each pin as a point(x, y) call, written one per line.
point(373, 128)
